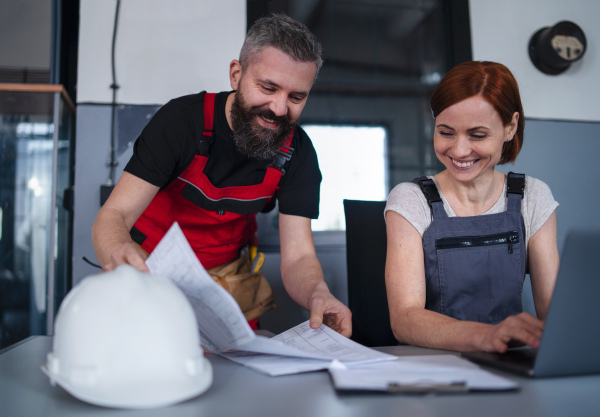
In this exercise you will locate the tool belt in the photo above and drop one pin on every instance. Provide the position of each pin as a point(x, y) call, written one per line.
point(246, 283)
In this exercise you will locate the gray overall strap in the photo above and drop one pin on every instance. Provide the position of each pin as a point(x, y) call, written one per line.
point(433, 197)
point(515, 184)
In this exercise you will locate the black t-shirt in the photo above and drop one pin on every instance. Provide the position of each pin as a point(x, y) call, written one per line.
point(167, 146)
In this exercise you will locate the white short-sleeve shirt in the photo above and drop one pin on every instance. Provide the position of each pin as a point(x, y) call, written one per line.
point(537, 206)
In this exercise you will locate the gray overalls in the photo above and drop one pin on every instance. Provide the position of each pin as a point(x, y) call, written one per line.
point(475, 266)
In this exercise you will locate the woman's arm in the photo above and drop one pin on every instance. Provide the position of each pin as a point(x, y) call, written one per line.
point(413, 324)
point(543, 265)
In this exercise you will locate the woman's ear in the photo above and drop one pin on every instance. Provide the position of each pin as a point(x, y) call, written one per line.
point(512, 126)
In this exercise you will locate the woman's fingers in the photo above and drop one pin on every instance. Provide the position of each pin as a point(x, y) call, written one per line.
point(523, 328)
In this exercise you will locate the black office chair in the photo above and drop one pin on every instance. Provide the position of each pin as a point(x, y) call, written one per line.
point(366, 245)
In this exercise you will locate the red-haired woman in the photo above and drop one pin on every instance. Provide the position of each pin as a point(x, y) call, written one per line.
point(460, 242)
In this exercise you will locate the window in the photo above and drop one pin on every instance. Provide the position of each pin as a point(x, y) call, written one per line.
point(353, 163)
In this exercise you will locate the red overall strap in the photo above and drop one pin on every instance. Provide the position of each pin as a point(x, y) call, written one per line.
point(287, 143)
point(206, 138)
point(209, 111)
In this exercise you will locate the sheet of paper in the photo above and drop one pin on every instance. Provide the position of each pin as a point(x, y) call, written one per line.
point(275, 365)
point(328, 344)
point(221, 323)
point(272, 346)
point(317, 347)
point(417, 372)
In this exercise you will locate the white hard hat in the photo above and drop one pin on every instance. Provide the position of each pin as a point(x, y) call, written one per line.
point(128, 339)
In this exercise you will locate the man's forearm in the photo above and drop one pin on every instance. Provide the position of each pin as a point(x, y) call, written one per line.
point(108, 233)
point(302, 279)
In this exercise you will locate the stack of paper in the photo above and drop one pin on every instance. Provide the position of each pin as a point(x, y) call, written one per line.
point(224, 330)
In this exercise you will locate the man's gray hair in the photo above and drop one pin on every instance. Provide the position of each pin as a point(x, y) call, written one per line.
point(284, 33)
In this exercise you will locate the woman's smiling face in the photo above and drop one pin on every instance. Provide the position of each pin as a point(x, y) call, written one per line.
point(469, 137)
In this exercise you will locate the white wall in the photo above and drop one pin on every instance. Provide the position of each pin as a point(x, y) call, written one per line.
point(164, 49)
point(501, 30)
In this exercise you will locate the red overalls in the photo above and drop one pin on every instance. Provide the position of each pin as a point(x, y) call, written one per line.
point(217, 222)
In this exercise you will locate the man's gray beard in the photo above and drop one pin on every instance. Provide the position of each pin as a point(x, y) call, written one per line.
point(253, 140)
point(256, 147)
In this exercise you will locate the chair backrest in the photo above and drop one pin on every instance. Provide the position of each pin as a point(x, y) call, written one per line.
point(366, 245)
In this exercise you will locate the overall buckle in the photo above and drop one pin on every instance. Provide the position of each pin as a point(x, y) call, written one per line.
point(281, 158)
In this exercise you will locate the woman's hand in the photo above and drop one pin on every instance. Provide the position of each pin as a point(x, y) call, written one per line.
point(522, 328)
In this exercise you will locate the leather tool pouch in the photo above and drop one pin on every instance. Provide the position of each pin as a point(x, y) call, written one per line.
point(250, 289)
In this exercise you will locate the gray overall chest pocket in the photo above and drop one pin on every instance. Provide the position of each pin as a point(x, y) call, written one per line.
point(480, 277)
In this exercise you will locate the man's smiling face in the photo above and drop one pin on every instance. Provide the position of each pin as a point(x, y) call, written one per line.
point(270, 96)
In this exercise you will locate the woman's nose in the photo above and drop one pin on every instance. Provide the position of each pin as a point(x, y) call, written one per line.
point(462, 147)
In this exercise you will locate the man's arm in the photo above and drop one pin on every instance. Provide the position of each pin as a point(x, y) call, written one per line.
point(303, 277)
point(110, 233)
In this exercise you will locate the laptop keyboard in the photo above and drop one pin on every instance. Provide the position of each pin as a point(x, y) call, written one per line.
point(520, 356)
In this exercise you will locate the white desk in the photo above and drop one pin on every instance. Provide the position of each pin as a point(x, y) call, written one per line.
point(240, 392)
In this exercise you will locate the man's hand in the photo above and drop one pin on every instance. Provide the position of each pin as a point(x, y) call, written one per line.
point(128, 253)
point(522, 328)
point(326, 309)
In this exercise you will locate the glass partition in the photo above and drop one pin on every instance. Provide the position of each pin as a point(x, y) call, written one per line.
point(36, 130)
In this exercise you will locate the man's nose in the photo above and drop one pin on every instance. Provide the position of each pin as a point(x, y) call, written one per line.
point(279, 105)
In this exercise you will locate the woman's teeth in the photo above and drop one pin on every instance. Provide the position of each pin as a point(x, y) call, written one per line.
point(463, 164)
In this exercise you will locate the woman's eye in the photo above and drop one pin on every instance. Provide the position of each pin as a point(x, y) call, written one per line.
point(445, 133)
point(478, 137)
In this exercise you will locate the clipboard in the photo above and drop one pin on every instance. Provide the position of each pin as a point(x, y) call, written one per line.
point(430, 374)
point(417, 388)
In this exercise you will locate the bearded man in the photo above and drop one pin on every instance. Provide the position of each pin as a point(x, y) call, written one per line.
point(211, 162)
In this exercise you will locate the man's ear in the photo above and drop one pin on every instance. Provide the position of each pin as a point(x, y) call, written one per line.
point(235, 73)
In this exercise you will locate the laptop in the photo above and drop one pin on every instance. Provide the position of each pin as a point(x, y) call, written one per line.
point(570, 344)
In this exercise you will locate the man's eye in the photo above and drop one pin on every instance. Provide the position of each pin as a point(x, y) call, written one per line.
point(296, 99)
point(268, 89)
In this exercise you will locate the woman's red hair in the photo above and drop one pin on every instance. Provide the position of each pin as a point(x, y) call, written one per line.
point(496, 84)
